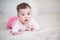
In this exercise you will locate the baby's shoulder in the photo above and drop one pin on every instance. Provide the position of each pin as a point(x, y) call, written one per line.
point(16, 22)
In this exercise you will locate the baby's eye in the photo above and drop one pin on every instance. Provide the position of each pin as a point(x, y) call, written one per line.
point(22, 14)
point(28, 13)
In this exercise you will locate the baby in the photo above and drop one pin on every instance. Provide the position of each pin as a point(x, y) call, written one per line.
point(24, 22)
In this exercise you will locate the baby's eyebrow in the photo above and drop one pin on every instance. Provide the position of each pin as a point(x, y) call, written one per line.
point(22, 12)
point(29, 12)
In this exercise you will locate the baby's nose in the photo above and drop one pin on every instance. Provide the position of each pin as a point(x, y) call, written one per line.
point(26, 16)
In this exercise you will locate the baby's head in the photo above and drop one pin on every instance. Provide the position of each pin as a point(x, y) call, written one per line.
point(24, 12)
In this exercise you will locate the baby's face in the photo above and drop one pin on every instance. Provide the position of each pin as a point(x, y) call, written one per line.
point(24, 15)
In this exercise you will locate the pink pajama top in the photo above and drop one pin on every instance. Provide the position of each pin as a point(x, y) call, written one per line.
point(18, 26)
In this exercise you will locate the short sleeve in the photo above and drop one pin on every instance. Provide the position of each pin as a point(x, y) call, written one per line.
point(15, 27)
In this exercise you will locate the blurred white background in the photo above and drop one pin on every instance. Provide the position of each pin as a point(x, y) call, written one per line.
point(46, 12)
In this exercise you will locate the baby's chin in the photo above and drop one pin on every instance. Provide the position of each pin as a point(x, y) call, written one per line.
point(26, 22)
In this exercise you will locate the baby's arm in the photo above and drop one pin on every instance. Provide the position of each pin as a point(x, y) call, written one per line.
point(34, 26)
point(16, 33)
point(34, 29)
point(16, 29)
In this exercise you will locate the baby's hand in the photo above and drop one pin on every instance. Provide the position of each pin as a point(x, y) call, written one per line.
point(16, 33)
point(27, 25)
point(33, 29)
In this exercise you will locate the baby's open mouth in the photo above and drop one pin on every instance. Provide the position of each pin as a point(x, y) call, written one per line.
point(26, 20)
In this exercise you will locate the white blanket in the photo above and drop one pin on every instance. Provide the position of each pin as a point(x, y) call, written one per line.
point(48, 34)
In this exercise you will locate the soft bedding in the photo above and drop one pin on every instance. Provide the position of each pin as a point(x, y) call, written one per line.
point(47, 34)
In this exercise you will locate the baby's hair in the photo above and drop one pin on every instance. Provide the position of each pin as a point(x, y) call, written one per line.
point(22, 6)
